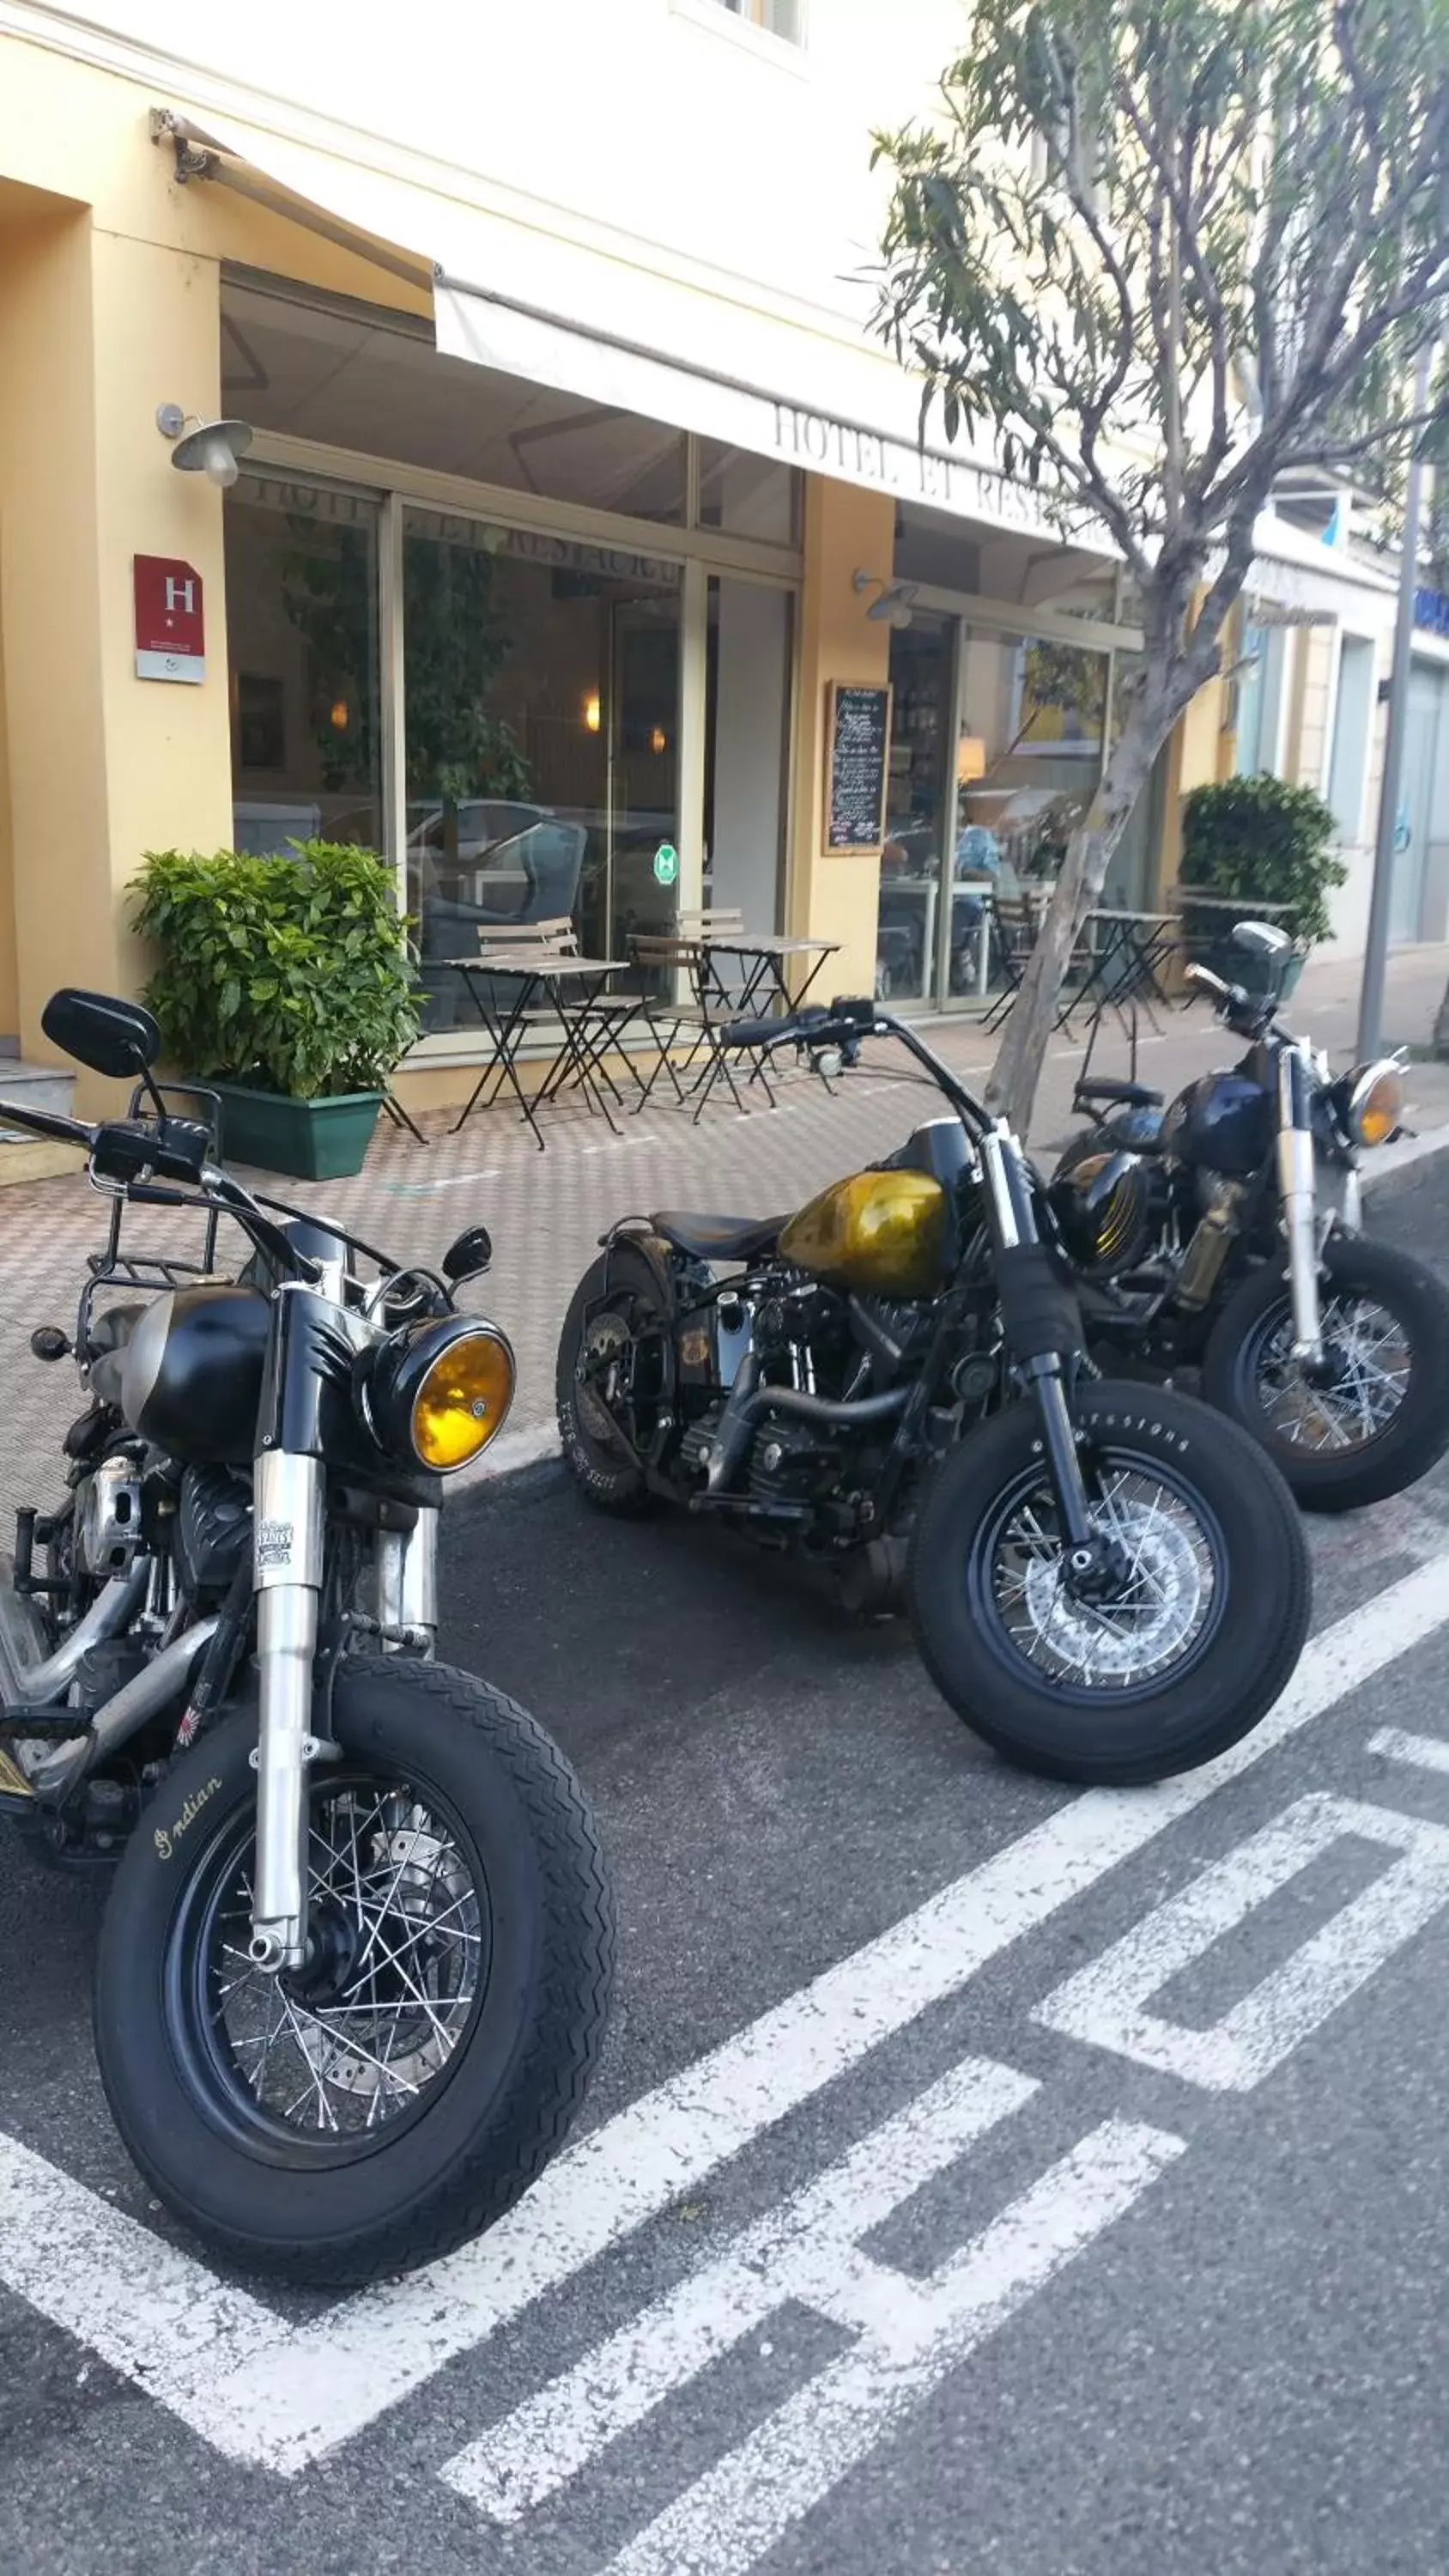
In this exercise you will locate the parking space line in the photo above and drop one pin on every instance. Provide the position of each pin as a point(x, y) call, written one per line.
point(287, 2401)
point(800, 2251)
point(1424, 1752)
point(742, 2507)
point(1106, 2003)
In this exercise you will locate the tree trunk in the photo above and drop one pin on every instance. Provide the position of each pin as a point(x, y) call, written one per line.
point(1011, 1088)
point(1440, 1041)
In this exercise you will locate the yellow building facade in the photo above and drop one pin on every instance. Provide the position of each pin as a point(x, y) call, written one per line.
point(657, 614)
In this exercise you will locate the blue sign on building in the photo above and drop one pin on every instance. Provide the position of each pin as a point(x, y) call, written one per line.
point(1431, 609)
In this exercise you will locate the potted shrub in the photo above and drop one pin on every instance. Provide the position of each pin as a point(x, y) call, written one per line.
point(1260, 841)
point(284, 985)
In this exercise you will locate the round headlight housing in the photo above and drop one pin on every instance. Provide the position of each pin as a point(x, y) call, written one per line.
point(439, 1392)
point(1373, 1102)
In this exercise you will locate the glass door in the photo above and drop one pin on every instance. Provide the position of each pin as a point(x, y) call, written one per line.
point(922, 675)
point(637, 885)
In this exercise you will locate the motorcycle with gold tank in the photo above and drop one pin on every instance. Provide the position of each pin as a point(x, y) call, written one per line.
point(354, 1966)
point(1108, 1584)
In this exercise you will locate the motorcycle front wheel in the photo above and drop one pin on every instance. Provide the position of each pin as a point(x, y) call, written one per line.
point(1177, 1658)
point(396, 2095)
point(1375, 1417)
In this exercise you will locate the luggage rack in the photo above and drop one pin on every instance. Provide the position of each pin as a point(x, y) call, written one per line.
point(113, 1268)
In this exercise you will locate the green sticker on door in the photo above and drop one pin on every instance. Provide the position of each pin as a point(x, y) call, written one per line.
point(666, 863)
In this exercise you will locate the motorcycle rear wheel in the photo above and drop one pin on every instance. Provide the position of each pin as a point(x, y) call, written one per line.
point(395, 2098)
point(1182, 1661)
point(616, 1307)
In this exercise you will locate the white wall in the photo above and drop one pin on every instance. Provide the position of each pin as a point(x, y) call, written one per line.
point(666, 120)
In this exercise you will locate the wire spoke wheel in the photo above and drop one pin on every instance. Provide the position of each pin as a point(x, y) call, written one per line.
point(331, 2056)
point(1368, 1362)
point(1137, 1629)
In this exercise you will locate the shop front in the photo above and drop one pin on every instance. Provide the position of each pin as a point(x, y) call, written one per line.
point(1002, 717)
point(552, 622)
point(539, 652)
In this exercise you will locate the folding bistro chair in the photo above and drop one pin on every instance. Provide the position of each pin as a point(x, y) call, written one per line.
point(680, 956)
point(1013, 928)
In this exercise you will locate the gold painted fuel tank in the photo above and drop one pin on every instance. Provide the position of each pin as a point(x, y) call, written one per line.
point(883, 1232)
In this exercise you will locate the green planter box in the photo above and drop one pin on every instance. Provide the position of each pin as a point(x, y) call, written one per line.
point(314, 1140)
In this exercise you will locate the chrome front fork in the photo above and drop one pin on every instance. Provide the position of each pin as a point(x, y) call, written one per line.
point(287, 1544)
point(1298, 1190)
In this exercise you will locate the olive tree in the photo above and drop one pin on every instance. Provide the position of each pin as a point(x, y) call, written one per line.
point(1157, 253)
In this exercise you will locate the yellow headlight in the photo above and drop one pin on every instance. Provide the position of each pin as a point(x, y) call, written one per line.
point(1375, 1104)
point(462, 1401)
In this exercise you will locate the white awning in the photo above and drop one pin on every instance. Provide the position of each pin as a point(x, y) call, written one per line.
point(595, 321)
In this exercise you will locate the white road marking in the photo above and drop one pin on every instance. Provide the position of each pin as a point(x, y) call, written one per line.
point(727, 2520)
point(1423, 1752)
point(1105, 2004)
point(805, 2249)
point(295, 2398)
point(146, 2308)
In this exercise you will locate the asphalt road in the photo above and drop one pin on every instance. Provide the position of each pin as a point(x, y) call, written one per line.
point(952, 2198)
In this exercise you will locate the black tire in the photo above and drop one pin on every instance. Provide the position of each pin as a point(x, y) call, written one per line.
point(1114, 1732)
point(600, 1466)
point(1259, 1314)
point(296, 2201)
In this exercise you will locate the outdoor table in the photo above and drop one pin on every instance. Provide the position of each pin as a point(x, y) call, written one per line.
point(569, 990)
point(764, 960)
point(1124, 962)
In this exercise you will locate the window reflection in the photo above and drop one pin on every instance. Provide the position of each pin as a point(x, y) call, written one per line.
point(541, 690)
point(302, 644)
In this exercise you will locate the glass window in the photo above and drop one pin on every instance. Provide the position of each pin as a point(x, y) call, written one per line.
point(541, 692)
point(1260, 699)
point(1032, 742)
point(302, 644)
point(1352, 725)
point(747, 722)
point(781, 17)
point(916, 816)
point(358, 377)
point(745, 495)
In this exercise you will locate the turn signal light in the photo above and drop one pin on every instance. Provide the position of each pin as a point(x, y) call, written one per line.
point(1375, 1103)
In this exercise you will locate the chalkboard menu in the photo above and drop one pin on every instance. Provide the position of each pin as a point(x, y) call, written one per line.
point(858, 732)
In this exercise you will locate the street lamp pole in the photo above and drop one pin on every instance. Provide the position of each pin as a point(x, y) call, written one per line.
point(1371, 995)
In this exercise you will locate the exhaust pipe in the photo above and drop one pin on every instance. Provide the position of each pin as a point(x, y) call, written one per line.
point(31, 1679)
point(144, 1696)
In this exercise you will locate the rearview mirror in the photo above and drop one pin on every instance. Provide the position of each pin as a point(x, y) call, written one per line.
point(470, 1256)
point(110, 1036)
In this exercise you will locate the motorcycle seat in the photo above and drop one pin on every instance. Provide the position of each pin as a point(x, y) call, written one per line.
point(1121, 1095)
point(717, 1238)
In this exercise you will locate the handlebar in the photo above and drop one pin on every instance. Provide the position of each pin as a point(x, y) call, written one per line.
point(844, 1023)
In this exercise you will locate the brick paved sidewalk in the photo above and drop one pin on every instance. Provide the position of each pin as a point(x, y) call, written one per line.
point(546, 1211)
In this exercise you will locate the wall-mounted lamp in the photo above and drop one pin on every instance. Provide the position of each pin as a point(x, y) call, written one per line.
point(659, 739)
point(894, 605)
point(338, 716)
point(592, 712)
point(209, 447)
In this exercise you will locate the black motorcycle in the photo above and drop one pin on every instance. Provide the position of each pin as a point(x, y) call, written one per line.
point(354, 1966)
point(1218, 1240)
point(1106, 1587)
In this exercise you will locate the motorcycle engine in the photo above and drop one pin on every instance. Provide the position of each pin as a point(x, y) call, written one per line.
point(108, 1519)
point(213, 1530)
